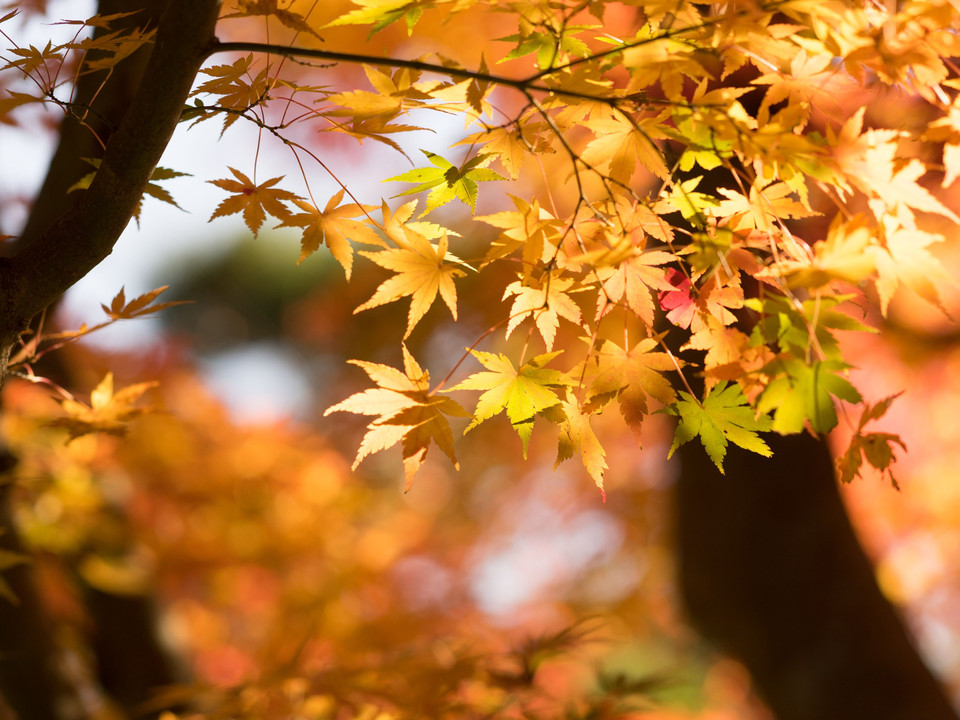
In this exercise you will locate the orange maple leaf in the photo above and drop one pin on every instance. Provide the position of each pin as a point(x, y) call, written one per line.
point(254, 201)
point(632, 282)
point(631, 376)
point(422, 273)
point(120, 309)
point(333, 227)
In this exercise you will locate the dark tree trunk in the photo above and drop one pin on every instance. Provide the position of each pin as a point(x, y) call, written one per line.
point(30, 681)
point(63, 239)
point(772, 572)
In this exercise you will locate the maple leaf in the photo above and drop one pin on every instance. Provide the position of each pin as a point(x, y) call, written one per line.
point(108, 411)
point(904, 258)
point(677, 301)
point(254, 201)
point(799, 329)
point(446, 181)
point(120, 309)
point(876, 447)
point(730, 355)
point(762, 209)
point(109, 48)
point(422, 273)
point(577, 437)
point(522, 392)
point(631, 376)
point(234, 87)
point(365, 104)
point(530, 227)
point(869, 160)
point(546, 302)
point(381, 13)
point(847, 254)
point(252, 8)
point(633, 282)
point(334, 228)
point(550, 46)
point(406, 412)
point(509, 145)
point(811, 81)
point(685, 199)
point(723, 417)
point(13, 100)
point(30, 59)
point(618, 146)
point(688, 306)
point(804, 393)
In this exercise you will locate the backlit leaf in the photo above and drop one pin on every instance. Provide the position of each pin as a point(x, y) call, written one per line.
point(723, 417)
point(522, 392)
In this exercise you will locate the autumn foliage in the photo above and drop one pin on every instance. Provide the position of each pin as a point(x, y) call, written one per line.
point(656, 216)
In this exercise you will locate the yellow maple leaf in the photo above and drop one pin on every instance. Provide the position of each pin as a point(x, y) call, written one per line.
point(333, 227)
point(618, 146)
point(846, 254)
point(422, 273)
point(546, 302)
point(577, 437)
point(531, 228)
point(406, 412)
point(762, 209)
point(108, 411)
point(904, 258)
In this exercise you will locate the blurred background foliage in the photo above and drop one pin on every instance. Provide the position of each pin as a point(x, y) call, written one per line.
point(286, 586)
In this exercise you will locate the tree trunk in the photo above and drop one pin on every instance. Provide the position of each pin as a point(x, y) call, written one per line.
point(134, 113)
point(772, 572)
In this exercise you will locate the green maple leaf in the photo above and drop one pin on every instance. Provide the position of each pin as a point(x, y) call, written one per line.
point(523, 392)
point(806, 392)
point(381, 13)
point(550, 46)
point(723, 416)
point(445, 181)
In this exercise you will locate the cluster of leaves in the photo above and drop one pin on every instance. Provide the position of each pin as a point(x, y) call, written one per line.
point(689, 150)
point(694, 143)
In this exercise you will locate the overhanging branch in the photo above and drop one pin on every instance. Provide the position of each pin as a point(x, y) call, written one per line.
point(522, 84)
point(87, 232)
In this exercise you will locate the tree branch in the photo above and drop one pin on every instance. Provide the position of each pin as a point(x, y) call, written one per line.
point(87, 232)
point(528, 84)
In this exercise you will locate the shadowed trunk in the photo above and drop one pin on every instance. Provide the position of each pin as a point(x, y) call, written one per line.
point(29, 679)
point(771, 571)
point(62, 240)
